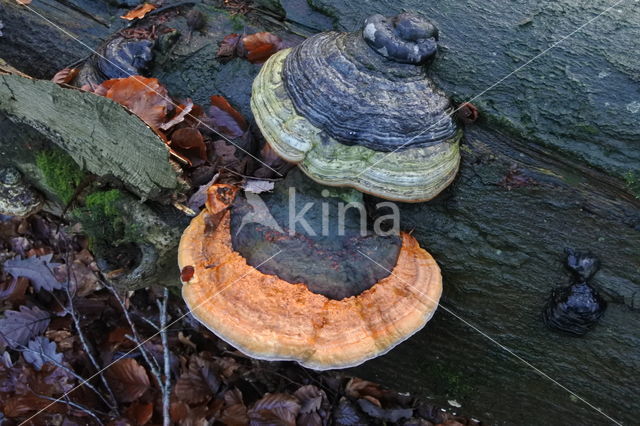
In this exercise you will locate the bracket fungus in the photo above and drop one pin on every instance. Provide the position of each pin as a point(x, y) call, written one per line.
point(278, 291)
point(16, 197)
point(357, 109)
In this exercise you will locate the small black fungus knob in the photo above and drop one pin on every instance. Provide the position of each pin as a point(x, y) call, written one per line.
point(406, 38)
point(577, 308)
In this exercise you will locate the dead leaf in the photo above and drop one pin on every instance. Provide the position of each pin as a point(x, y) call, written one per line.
point(139, 413)
point(275, 408)
point(18, 327)
point(65, 75)
point(227, 367)
point(226, 152)
point(235, 412)
point(13, 289)
point(229, 47)
point(197, 200)
point(128, 379)
point(145, 97)
point(64, 338)
point(179, 411)
point(39, 269)
point(260, 46)
point(190, 143)
point(358, 388)
point(226, 119)
point(23, 2)
point(258, 186)
point(346, 414)
point(181, 113)
point(199, 383)
point(312, 400)
point(21, 405)
point(40, 351)
point(82, 277)
point(390, 414)
point(139, 12)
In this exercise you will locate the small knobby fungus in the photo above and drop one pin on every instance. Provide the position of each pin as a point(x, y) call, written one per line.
point(300, 315)
point(577, 308)
point(357, 109)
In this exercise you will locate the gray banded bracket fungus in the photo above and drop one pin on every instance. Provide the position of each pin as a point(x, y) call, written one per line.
point(357, 109)
point(320, 302)
point(17, 198)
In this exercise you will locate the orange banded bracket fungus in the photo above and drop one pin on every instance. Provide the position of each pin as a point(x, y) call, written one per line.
point(357, 110)
point(303, 290)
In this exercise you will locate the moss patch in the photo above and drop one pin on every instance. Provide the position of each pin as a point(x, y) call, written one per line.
point(61, 173)
point(632, 180)
point(447, 381)
point(102, 221)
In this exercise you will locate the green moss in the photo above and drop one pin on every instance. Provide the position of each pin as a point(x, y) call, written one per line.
point(632, 179)
point(586, 129)
point(447, 381)
point(329, 11)
point(60, 172)
point(237, 22)
point(103, 222)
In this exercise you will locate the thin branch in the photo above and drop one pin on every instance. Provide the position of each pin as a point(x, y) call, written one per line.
point(85, 344)
point(166, 390)
point(53, 361)
point(71, 404)
point(136, 337)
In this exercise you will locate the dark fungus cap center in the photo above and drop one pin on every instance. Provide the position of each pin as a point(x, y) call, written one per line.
point(319, 240)
point(406, 38)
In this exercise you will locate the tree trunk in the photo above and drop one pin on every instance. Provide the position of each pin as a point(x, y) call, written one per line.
point(499, 233)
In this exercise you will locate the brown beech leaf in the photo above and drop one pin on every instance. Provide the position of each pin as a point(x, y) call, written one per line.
point(275, 408)
point(21, 405)
point(190, 143)
point(145, 97)
point(13, 289)
point(311, 400)
point(178, 411)
point(235, 412)
point(65, 75)
point(358, 388)
point(226, 152)
point(139, 413)
point(199, 383)
point(23, 2)
point(226, 119)
point(139, 11)
point(128, 379)
point(260, 46)
point(228, 47)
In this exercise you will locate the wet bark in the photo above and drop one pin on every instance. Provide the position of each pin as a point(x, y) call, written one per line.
point(499, 233)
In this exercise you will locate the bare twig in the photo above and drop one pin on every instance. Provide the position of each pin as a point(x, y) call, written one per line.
point(153, 366)
point(166, 390)
point(165, 385)
point(71, 404)
point(70, 309)
point(53, 361)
